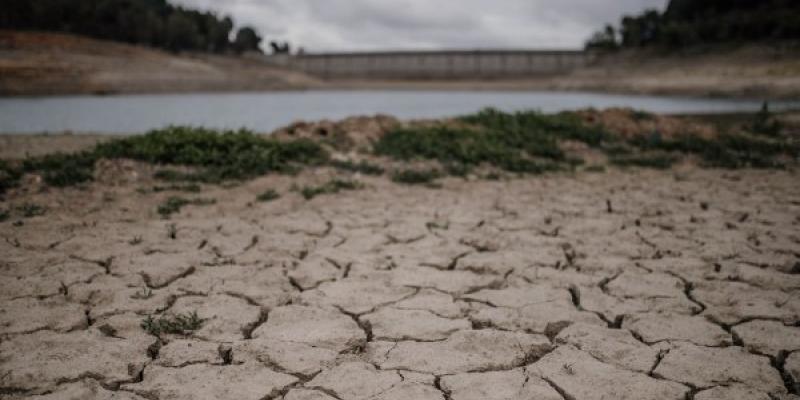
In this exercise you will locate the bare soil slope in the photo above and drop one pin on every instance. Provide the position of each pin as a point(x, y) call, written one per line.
point(47, 63)
point(758, 72)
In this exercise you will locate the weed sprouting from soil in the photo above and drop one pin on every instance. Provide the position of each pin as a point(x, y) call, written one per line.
point(655, 160)
point(177, 324)
point(416, 177)
point(174, 204)
point(9, 176)
point(765, 124)
point(268, 195)
point(4, 215)
point(331, 187)
point(189, 188)
point(30, 210)
point(360, 167)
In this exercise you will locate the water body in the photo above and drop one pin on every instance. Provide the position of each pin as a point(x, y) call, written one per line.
point(264, 112)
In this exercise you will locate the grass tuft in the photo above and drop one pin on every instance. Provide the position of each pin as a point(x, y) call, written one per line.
point(416, 177)
point(30, 210)
point(174, 204)
point(331, 187)
point(189, 188)
point(361, 167)
point(268, 195)
point(647, 160)
point(177, 324)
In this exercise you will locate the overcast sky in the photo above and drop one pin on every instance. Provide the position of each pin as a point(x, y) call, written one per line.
point(341, 25)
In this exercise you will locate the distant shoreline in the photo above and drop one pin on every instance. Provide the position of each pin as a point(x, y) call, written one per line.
point(50, 64)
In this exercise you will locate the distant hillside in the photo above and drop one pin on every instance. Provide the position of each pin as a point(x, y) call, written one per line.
point(687, 23)
point(154, 23)
point(36, 63)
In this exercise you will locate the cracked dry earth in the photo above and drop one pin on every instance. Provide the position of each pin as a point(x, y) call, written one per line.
point(624, 285)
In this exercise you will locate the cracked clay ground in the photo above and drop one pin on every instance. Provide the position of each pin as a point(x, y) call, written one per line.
point(619, 285)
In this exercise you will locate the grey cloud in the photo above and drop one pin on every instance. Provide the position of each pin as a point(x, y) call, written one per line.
point(337, 25)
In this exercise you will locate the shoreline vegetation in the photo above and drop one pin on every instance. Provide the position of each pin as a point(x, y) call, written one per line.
point(489, 144)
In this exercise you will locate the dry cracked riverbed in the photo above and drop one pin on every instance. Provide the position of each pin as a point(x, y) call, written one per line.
point(620, 285)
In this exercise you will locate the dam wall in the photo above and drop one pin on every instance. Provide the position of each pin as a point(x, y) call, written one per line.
point(436, 64)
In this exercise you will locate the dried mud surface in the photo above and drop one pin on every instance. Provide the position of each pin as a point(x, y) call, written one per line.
point(641, 285)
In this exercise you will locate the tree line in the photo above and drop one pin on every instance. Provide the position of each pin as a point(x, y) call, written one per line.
point(687, 23)
point(154, 23)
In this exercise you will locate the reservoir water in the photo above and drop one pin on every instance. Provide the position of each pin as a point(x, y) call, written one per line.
point(264, 112)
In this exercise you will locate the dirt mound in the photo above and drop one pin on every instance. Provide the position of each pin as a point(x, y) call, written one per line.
point(629, 123)
point(350, 133)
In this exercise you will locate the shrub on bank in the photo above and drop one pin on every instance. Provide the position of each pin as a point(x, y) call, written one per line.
point(530, 142)
point(216, 155)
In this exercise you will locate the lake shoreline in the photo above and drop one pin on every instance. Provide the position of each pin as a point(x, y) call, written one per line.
point(267, 111)
point(48, 64)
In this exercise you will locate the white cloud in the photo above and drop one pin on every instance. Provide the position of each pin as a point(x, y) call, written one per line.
point(340, 25)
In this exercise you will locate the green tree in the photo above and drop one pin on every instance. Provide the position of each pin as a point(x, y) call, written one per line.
point(247, 39)
point(604, 40)
point(181, 33)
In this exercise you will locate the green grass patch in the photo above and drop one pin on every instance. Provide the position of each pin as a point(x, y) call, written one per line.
point(645, 160)
point(360, 167)
point(595, 168)
point(225, 155)
point(30, 210)
point(217, 156)
point(331, 187)
point(9, 176)
point(174, 205)
point(268, 195)
point(728, 150)
point(188, 188)
point(523, 142)
point(62, 170)
point(528, 142)
point(416, 177)
point(178, 324)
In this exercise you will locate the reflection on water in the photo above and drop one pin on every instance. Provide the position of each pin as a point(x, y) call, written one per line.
point(265, 112)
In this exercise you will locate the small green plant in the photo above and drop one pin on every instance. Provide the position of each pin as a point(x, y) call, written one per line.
point(137, 240)
point(416, 177)
point(493, 176)
point(268, 195)
point(458, 169)
point(331, 187)
point(30, 210)
point(177, 324)
point(765, 124)
point(174, 204)
point(189, 188)
point(62, 170)
point(4, 215)
point(657, 161)
point(361, 167)
point(595, 168)
point(640, 115)
point(9, 176)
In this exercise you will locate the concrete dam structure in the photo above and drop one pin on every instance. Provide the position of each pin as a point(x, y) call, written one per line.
point(456, 64)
